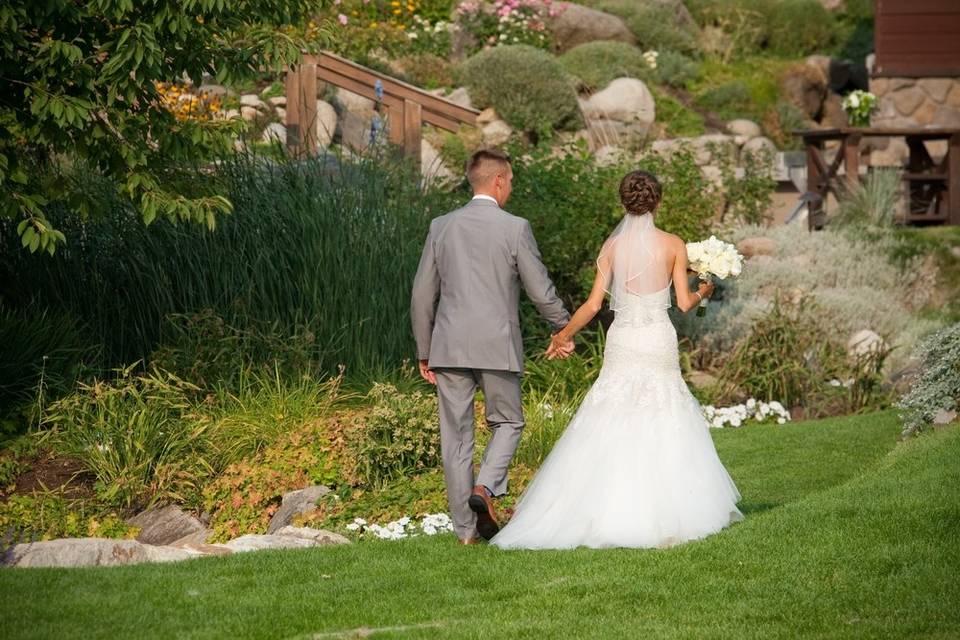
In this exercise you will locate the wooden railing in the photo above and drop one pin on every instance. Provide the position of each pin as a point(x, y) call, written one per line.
point(406, 107)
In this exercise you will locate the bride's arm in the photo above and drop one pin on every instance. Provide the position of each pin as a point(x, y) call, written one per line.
point(585, 313)
point(686, 299)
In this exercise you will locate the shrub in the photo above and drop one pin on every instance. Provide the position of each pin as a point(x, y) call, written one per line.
point(426, 70)
point(675, 69)
point(397, 438)
point(747, 197)
point(527, 86)
point(872, 202)
point(780, 120)
point(936, 386)
point(505, 22)
point(678, 120)
point(46, 516)
point(134, 435)
point(656, 28)
point(596, 64)
point(247, 494)
point(729, 101)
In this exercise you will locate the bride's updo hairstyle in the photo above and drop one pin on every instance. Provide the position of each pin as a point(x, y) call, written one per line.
point(640, 192)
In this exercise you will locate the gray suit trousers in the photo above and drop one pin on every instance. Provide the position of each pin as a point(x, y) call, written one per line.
point(504, 416)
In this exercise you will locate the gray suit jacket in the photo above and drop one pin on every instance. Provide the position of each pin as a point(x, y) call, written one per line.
point(466, 294)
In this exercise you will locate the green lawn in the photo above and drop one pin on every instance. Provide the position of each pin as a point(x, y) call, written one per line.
point(847, 535)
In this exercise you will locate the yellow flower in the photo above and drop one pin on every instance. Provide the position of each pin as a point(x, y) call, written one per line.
point(397, 12)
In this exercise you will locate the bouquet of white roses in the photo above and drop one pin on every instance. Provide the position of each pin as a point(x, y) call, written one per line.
point(859, 105)
point(713, 258)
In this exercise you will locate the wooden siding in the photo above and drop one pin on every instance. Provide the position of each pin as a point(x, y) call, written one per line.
point(917, 38)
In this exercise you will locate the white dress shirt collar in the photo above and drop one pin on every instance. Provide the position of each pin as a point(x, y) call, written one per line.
point(483, 196)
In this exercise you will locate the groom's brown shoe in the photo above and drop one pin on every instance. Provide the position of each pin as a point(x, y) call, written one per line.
point(471, 540)
point(481, 504)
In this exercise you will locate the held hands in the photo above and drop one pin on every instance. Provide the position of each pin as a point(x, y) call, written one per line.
point(560, 347)
point(425, 372)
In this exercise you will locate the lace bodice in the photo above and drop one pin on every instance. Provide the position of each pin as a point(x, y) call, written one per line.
point(641, 310)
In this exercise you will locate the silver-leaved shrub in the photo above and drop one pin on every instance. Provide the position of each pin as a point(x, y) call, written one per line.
point(937, 384)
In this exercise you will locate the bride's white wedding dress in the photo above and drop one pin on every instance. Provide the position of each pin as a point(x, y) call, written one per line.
point(636, 466)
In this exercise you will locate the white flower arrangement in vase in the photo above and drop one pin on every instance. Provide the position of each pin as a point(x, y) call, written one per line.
point(858, 105)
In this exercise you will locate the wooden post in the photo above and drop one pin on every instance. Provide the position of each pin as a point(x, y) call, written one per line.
point(293, 121)
point(953, 179)
point(395, 125)
point(814, 209)
point(308, 104)
point(851, 158)
point(412, 125)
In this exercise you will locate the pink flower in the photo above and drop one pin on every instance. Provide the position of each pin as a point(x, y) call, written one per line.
point(342, 19)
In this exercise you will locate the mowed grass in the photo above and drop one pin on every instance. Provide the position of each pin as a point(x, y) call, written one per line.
point(847, 534)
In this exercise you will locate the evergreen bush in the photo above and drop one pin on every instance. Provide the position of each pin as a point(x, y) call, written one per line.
point(598, 63)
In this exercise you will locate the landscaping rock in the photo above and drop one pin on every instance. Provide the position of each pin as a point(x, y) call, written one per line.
point(575, 24)
point(251, 100)
point(255, 542)
point(832, 115)
point(275, 132)
point(624, 100)
point(496, 133)
point(295, 503)
point(757, 246)
point(213, 89)
point(249, 113)
point(806, 87)
point(432, 169)
point(326, 123)
point(281, 114)
point(758, 145)
point(607, 155)
point(711, 146)
point(195, 538)
point(355, 103)
point(487, 116)
point(460, 96)
point(745, 128)
point(702, 379)
point(230, 114)
point(864, 342)
point(165, 525)
point(943, 417)
point(278, 101)
point(90, 552)
point(320, 536)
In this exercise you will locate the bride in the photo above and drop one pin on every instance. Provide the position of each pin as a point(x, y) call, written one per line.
point(636, 466)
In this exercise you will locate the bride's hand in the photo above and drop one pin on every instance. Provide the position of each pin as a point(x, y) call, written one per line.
point(706, 289)
point(559, 347)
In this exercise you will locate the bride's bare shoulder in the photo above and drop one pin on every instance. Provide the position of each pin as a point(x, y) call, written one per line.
point(672, 240)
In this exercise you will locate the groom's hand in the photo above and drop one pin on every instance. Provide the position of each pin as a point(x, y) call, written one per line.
point(426, 374)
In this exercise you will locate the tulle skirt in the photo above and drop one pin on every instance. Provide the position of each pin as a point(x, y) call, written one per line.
point(636, 466)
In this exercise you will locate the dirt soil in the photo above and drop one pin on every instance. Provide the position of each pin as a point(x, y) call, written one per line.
point(48, 472)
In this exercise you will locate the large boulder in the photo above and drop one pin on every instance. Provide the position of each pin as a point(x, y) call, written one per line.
point(712, 146)
point(806, 87)
point(274, 132)
point(165, 525)
point(326, 123)
point(746, 129)
point(496, 133)
point(575, 24)
point(91, 552)
point(460, 96)
point(320, 536)
point(295, 503)
point(624, 100)
point(256, 542)
point(432, 168)
point(865, 342)
point(760, 144)
point(355, 117)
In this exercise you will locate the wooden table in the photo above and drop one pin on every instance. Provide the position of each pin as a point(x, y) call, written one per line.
point(934, 189)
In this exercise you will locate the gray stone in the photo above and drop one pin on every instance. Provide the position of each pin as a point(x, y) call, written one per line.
point(281, 114)
point(249, 113)
point(712, 174)
point(295, 503)
point(575, 24)
point(496, 133)
point(230, 114)
point(274, 132)
point(165, 525)
point(75, 552)
point(943, 417)
point(487, 116)
point(936, 88)
point(350, 101)
point(757, 246)
point(864, 342)
point(326, 123)
point(625, 100)
point(213, 89)
point(255, 542)
point(947, 117)
point(460, 96)
point(746, 128)
point(170, 554)
point(278, 101)
point(320, 536)
point(432, 169)
point(713, 145)
point(195, 538)
point(760, 144)
point(251, 100)
point(906, 101)
point(608, 155)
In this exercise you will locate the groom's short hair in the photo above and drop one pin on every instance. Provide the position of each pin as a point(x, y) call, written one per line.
point(483, 165)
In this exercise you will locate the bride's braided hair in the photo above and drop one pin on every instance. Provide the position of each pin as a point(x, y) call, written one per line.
point(640, 192)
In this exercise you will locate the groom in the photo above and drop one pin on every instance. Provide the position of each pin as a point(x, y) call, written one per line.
point(464, 311)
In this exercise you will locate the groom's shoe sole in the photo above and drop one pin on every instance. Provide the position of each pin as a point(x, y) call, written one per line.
point(487, 525)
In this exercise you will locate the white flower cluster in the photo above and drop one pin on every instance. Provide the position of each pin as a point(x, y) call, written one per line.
point(430, 525)
point(737, 415)
point(650, 57)
point(714, 257)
